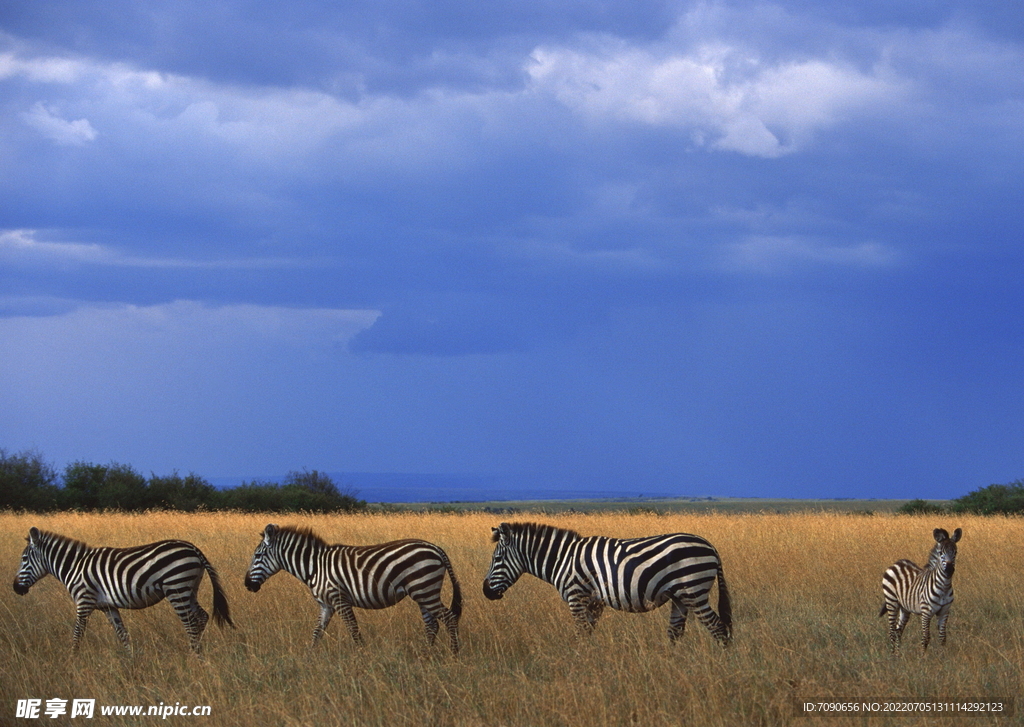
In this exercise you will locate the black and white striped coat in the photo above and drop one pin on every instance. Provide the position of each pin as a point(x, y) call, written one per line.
point(907, 588)
point(635, 575)
point(107, 579)
point(343, 577)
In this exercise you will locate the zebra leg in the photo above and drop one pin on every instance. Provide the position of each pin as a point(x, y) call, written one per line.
point(898, 619)
point(892, 616)
point(434, 611)
point(326, 612)
point(192, 615)
point(712, 622)
point(452, 624)
point(83, 611)
point(442, 614)
point(344, 610)
point(114, 616)
point(431, 624)
point(586, 610)
point(677, 621)
point(926, 631)
point(942, 626)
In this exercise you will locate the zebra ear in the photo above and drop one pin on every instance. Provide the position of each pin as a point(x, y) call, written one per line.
point(956, 534)
point(33, 534)
point(270, 530)
point(940, 535)
point(495, 534)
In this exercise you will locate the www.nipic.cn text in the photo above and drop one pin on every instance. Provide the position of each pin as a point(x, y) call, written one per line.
point(87, 709)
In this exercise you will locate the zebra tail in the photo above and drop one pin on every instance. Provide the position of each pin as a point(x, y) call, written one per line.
point(724, 604)
point(885, 607)
point(221, 615)
point(456, 607)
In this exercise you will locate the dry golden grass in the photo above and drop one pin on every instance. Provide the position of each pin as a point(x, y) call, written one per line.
point(805, 587)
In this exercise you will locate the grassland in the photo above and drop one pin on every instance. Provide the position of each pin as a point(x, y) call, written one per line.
point(805, 587)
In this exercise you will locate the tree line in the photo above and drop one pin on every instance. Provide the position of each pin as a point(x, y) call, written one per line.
point(27, 482)
point(1007, 499)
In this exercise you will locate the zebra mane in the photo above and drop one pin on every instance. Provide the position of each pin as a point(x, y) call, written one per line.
point(536, 529)
point(48, 536)
point(305, 533)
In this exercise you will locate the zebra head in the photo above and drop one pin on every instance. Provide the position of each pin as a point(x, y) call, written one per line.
point(507, 563)
point(944, 553)
point(266, 561)
point(33, 563)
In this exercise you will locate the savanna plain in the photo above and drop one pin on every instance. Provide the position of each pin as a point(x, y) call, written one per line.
point(805, 591)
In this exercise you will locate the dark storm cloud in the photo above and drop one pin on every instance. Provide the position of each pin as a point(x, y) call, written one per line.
point(722, 235)
point(376, 47)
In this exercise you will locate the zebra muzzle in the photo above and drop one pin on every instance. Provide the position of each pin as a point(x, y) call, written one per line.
point(20, 588)
point(252, 585)
point(492, 594)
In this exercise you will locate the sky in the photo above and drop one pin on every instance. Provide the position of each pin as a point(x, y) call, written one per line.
point(702, 248)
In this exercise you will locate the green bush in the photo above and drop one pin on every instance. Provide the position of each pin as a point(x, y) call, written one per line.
point(1005, 499)
point(920, 507)
point(114, 486)
point(27, 482)
point(309, 491)
point(175, 492)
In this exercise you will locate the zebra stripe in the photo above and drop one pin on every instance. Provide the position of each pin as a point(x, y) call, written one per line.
point(907, 588)
point(343, 577)
point(635, 575)
point(107, 579)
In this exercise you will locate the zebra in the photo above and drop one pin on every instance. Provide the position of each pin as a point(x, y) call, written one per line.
point(111, 578)
point(907, 588)
point(343, 577)
point(634, 575)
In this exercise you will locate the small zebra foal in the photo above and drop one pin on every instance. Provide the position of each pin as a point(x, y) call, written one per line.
point(107, 579)
point(907, 588)
point(343, 577)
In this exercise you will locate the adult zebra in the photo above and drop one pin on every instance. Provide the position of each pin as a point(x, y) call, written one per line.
point(635, 575)
point(107, 579)
point(343, 577)
point(907, 588)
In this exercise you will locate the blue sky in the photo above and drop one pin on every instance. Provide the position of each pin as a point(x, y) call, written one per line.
point(709, 248)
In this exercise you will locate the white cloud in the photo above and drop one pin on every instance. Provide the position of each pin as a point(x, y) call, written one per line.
point(22, 246)
point(725, 99)
point(47, 121)
point(145, 114)
point(41, 70)
point(719, 96)
point(771, 254)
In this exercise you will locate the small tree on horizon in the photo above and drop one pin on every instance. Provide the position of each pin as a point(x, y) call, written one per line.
point(314, 481)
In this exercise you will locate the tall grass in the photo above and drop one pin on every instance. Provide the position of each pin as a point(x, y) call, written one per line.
point(806, 593)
